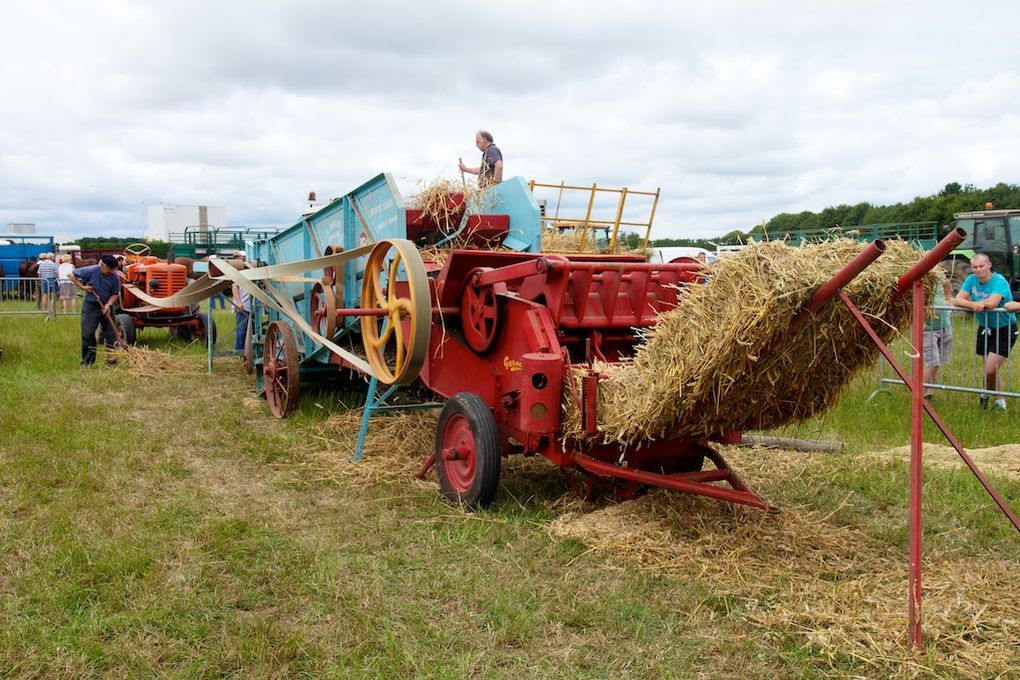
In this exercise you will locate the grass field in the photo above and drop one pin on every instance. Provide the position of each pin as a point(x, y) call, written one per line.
point(161, 523)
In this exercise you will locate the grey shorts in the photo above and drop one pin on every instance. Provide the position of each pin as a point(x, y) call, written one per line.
point(938, 345)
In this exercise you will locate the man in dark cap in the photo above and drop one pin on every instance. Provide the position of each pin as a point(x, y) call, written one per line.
point(101, 284)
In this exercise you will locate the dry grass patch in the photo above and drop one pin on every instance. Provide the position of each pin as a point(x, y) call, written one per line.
point(996, 460)
point(396, 445)
point(798, 573)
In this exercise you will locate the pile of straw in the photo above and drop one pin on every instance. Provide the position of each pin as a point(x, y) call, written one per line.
point(704, 369)
point(396, 445)
point(434, 201)
point(798, 573)
point(555, 240)
point(150, 363)
point(559, 240)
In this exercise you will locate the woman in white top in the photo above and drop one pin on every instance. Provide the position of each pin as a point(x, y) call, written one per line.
point(68, 292)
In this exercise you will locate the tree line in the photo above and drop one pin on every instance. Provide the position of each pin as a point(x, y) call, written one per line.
point(938, 208)
point(159, 248)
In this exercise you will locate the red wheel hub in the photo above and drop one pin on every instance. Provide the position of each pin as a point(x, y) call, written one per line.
point(458, 453)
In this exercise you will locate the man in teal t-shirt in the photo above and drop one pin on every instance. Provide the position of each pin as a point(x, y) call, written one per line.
point(982, 291)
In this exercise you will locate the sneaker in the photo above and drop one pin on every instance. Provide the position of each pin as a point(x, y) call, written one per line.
point(1000, 404)
point(983, 400)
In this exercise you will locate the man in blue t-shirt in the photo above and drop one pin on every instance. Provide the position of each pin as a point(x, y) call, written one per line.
point(982, 291)
point(490, 171)
point(101, 284)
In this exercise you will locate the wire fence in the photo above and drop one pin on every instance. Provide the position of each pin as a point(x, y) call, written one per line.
point(964, 369)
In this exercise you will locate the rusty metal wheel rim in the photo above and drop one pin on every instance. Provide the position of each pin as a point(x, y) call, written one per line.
point(322, 310)
point(280, 370)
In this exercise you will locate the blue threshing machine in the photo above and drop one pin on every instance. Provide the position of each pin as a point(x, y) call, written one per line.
point(333, 301)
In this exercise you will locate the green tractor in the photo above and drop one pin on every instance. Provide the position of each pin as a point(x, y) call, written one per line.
point(993, 232)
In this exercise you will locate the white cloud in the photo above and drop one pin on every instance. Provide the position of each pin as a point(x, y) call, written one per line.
point(737, 110)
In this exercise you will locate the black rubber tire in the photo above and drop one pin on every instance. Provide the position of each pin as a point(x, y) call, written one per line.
point(677, 465)
point(207, 324)
point(127, 328)
point(485, 482)
point(957, 271)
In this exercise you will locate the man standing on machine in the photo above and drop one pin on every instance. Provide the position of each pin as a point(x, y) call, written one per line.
point(490, 171)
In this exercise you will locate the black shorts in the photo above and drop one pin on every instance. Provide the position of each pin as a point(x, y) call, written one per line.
point(995, 340)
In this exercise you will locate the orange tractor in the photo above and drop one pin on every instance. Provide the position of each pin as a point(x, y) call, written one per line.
point(154, 277)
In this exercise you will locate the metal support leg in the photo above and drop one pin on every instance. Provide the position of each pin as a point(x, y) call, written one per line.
point(377, 402)
point(372, 402)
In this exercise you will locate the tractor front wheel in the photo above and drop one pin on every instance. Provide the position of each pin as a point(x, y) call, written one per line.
point(467, 451)
point(127, 328)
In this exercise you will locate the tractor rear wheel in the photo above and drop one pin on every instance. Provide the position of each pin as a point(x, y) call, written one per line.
point(127, 328)
point(467, 451)
point(281, 373)
point(957, 271)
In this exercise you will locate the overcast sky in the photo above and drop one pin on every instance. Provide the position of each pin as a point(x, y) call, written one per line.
point(737, 110)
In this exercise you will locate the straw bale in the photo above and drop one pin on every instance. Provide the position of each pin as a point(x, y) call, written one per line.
point(702, 369)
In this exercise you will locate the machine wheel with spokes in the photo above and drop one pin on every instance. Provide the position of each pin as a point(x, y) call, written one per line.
point(479, 311)
point(281, 372)
point(467, 451)
point(396, 284)
point(322, 309)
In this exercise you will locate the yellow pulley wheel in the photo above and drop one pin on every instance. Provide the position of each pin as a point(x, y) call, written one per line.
point(396, 341)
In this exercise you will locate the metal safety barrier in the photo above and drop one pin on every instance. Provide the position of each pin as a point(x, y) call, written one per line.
point(965, 369)
point(24, 296)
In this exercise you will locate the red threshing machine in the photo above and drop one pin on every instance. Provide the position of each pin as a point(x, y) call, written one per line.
point(525, 321)
point(497, 334)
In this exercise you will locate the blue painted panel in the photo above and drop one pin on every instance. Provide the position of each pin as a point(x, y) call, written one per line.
point(512, 197)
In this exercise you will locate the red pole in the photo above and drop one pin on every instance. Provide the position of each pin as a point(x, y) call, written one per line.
point(916, 443)
point(930, 259)
point(830, 288)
